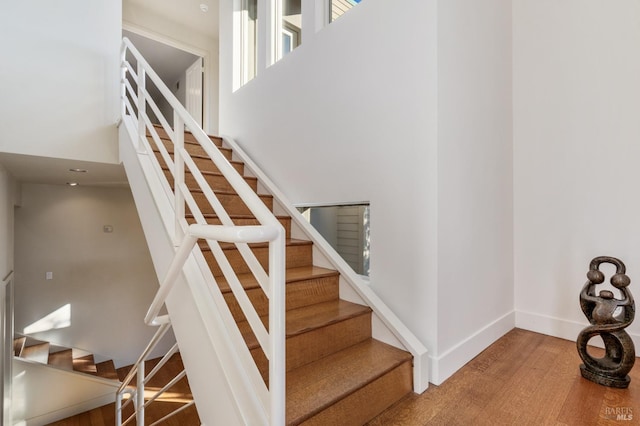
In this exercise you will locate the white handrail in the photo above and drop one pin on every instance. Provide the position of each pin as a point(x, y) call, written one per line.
point(134, 104)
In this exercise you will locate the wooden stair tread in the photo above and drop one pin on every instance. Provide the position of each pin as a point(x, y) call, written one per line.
point(85, 364)
point(308, 318)
point(107, 370)
point(218, 193)
point(188, 135)
point(289, 242)
point(316, 386)
point(18, 345)
point(156, 150)
point(292, 275)
point(212, 173)
point(62, 359)
point(38, 352)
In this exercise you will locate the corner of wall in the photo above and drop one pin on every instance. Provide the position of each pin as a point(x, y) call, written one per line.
point(443, 366)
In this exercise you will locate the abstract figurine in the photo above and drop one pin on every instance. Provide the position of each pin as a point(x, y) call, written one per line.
point(608, 317)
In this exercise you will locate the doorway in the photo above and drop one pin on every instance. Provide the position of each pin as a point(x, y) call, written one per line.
point(181, 71)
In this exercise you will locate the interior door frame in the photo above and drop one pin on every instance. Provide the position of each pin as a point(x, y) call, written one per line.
point(197, 67)
point(206, 64)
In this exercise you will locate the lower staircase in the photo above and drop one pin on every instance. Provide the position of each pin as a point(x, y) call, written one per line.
point(62, 357)
point(337, 374)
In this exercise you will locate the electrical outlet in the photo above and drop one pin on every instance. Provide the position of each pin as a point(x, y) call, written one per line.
point(48, 275)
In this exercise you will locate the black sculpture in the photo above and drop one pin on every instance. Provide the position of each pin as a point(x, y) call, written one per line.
point(608, 317)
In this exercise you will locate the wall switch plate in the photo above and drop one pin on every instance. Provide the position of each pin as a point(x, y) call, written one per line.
point(48, 275)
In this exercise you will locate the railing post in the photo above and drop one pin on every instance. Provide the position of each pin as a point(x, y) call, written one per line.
point(140, 395)
point(178, 163)
point(118, 409)
point(277, 382)
point(123, 78)
point(142, 106)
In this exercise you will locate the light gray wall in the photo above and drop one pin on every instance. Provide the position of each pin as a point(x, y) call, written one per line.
point(108, 278)
point(350, 115)
point(475, 190)
point(60, 78)
point(576, 132)
point(8, 198)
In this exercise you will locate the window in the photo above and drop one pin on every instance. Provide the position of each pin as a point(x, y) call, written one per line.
point(291, 25)
point(346, 229)
point(245, 41)
point(339, 7)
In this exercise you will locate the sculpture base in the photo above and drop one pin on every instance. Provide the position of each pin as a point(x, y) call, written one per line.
point(605, 380)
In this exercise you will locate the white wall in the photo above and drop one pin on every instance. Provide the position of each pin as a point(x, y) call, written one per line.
point(35, 402)
point(150, 24)
point(59, 78)
point(410, 108)
point(108, 278)
point(350, 115)
point(475, 193)
point(576, 133)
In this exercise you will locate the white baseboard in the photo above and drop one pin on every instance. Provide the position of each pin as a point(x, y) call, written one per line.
point(558, 327)
point(455, 358)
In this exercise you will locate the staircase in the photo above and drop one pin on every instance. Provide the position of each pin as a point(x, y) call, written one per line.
point(336, 372)
point(61, 357)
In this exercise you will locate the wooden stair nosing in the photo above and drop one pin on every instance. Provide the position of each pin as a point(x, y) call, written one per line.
point(243, 220)
point(289, 242)
point(235, 163)
point(38, 352)
point(212, 173)
point(18, 345)
point(62, 359)
point(198, 149)
point(188, 135)
point(107, 370)
point(296, 255)
point(85, 364)
point(309, 318)
point(292, 275)
point(336, 376)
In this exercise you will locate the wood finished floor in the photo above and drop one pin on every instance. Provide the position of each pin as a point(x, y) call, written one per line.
point(523, 379)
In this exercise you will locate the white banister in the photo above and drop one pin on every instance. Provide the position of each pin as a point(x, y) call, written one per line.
point(185, 237)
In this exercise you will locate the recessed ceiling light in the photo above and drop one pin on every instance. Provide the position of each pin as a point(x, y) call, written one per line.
point(72, 183)
point(204, 7)
point(78, 170)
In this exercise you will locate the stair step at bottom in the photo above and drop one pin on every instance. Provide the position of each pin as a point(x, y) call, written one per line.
point(107, 370)
point(85, 364)
point(305, 286)
point(38, 352)
point(243, 220)
point(18, 345)
point(62, 359)
point(314, 332)
point(349, 387)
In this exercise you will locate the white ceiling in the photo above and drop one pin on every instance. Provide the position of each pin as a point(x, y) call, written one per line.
point(185, 12)
point(55, 171)
point(168, 62)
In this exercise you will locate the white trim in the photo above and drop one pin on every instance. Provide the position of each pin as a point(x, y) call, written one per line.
point(176, 44)
point(558, 327)
point(443, 366)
